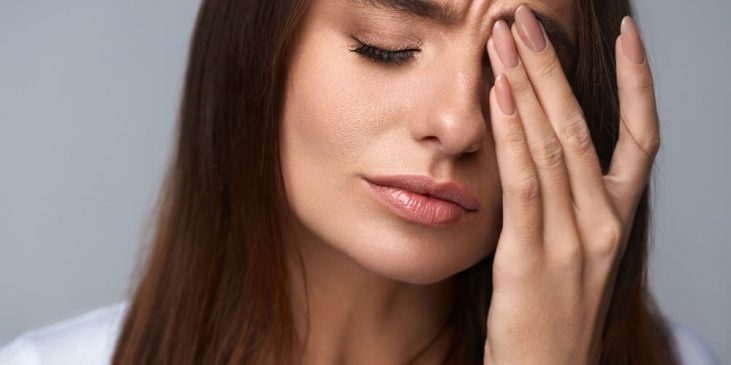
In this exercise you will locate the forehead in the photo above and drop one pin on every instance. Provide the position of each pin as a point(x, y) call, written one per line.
point(553, 13)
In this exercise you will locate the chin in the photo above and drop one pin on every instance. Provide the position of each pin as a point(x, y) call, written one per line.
point(415, 257)
point(418, 275)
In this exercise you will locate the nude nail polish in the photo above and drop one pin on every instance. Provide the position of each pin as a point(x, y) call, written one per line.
point(504, 44)
point(631, 42)
point(504, 95)
point(529, 29)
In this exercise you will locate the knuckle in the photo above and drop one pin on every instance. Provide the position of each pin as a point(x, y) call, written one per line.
point(513, 133)
point(652, 145)
point(578, 137)
point(548, 68)
point(644, 81)
point(609, 239)
point(520, 85)
point(641, 81)
point(526, 188)
point(549, 153)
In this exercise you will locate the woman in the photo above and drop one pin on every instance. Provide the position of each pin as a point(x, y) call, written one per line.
point(404, 182)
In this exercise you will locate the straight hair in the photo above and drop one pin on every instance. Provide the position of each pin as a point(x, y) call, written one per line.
point(212, 285)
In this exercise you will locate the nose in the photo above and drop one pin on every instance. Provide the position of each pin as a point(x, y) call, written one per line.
point(454, 119)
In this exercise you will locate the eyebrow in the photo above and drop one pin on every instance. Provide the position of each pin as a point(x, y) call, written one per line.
point(447, 14)
point(428, 9)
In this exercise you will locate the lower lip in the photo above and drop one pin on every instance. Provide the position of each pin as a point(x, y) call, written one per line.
point(418, 208)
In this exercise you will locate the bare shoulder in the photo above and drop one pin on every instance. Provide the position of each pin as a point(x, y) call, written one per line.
point(84, 339)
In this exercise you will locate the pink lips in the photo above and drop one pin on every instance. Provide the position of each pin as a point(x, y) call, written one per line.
point(420, 199)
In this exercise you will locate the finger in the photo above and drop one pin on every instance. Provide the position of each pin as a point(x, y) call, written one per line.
point(639, 138)
point(521, 190)
point(545, 148)
point(563, 111)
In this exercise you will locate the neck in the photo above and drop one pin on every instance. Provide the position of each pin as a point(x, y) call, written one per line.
point(357, 316)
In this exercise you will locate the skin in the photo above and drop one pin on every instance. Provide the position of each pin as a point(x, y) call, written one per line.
point(379, 287)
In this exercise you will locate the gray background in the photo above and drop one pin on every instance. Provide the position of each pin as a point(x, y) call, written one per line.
point(88, 96)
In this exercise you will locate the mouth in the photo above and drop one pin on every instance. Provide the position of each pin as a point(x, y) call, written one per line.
point(420, 200)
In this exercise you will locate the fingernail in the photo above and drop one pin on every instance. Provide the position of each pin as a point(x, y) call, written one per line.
point(503, 94)
point(529, 29)
point(631, 42)
point(504, 44)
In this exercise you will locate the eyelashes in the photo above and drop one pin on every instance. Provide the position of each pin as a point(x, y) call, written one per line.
point(385, 56)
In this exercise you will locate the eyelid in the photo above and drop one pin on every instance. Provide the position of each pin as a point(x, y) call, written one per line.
point(384, 56)
point(396, 40)
point(375, 44)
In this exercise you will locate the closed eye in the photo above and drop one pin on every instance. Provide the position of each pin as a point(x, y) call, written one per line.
point(385, 56)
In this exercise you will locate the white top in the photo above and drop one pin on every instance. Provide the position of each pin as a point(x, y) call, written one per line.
point(89, 339)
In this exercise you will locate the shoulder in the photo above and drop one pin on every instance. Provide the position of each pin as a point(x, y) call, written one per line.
point(85, 339)
point(690, 346)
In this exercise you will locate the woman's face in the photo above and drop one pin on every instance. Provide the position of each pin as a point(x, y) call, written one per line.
point(348, 118)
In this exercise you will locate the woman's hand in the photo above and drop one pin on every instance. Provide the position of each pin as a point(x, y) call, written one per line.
point(565, 225)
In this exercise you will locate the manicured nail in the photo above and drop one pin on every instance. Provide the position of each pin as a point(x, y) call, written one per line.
point(504, 44)
point(529, 29)
point(631, 42)
point(503, 94)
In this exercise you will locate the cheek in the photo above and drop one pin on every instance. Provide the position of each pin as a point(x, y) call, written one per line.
point(328, 112)
point(326, 129)
point(336, 117)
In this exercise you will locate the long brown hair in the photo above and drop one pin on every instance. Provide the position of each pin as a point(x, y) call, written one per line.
point(213, 288)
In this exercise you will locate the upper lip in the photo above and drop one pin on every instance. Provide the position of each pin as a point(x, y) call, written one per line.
point(426, 185)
